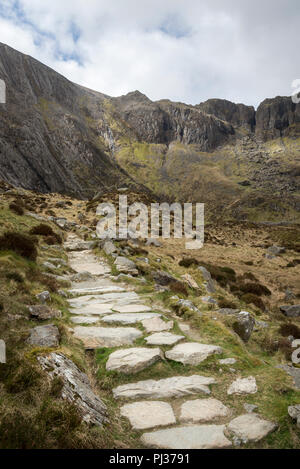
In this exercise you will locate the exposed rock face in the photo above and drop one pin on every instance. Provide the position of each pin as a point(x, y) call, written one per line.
point(47, 142)
point(76, 387)
point(238, 115)
point(277, 117)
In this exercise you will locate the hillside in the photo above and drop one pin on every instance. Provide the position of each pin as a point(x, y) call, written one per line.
point(56, 136)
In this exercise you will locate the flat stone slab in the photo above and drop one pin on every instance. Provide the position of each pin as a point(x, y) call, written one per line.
point(163, 338)
point(148, 414)
point(43, 312)
point(157, 325)
point(96, 289)
point(93, 309)
point(133, 360)
point(129, 318)
point(177, 386)
point(76, 387)
point(44, 336)
point(188, 437)
point(243, 386)
point(134, 308)
point(94, 337)
point(202, 410)
point(85, 261)
point(84, 320)
point(116, 298)
point(250, 427)
point(192, 353)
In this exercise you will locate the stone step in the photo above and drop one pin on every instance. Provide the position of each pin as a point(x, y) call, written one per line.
point(163, 338)
point(96, 337)
point(157, 325)
point(96, 290)
point(148, 414)
point(250, 428)
point(177, 386)
point(93, 309)
point(192, 353)
point(132, 308)
point(188, 437)
point(84, 320)
point(202, 410)
point(85, 261)
point(128, 318)
point(133, 360)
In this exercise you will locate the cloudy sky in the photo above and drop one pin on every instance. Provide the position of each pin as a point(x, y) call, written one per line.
point(184, 50)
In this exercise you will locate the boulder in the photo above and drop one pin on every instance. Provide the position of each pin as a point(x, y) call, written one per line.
point(153, 242)
point(44, 336)
point(126, 265)
point(109, 248)
point(276, 250)
point(163, 278)
point(44, 297)
point(76, 387)
point(294, 413)
point(43, 312)
point(209, 284)
point(244, 325)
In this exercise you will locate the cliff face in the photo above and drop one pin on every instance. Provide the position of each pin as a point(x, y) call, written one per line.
point(56, 136)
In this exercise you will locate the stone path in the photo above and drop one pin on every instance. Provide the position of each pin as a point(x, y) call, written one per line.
point(103, 313)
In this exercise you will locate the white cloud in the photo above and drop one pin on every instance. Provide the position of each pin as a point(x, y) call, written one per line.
point(186, 50)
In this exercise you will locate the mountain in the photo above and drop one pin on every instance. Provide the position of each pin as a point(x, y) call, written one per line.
point(56, 136)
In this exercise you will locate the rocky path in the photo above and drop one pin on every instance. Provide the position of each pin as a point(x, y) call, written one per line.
point(176, 412)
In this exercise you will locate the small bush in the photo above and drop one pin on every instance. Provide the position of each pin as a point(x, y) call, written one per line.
point(227, 304)
point(21, 244)
point(45, 230)
point(290, 329)
point(249, 276)
point(16, 208)
point(179, 287)
point(256, 289)
point(250, 298)
point(15, 276)
point(50, 240)
point(188, 262)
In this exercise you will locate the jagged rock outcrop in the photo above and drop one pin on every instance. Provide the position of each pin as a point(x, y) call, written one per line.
point(239, 115)
point(277, 117)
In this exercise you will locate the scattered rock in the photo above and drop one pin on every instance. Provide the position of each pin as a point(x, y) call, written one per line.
point(157, 325)
point(81, 245)
point(109, 248)
point(276, 250)
point(163, 278)
point(2, 351)
point(163, 338)
point(178, 386)
point(294, 413)
point(202, 410)
point(227, 361)
point(49, 266)
point(81, 277)
point(96, 337)
point(43, 312)
point(243, 386)
point(148, 414)
point(289, 295)
point(209, 300)
point(293, 372)
point(209, 284)
point(44, 336)
point(291, 311)
point(186, 304)
point(153, 242)
point(244, 325)
point(125, 265)
point(76, 387)
point(250, 408)
point(190, 281)
point(190, 437)
point(192, 353)
point(250, 427)
point(44, 297)
point(133, 360)
point(228, 311)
